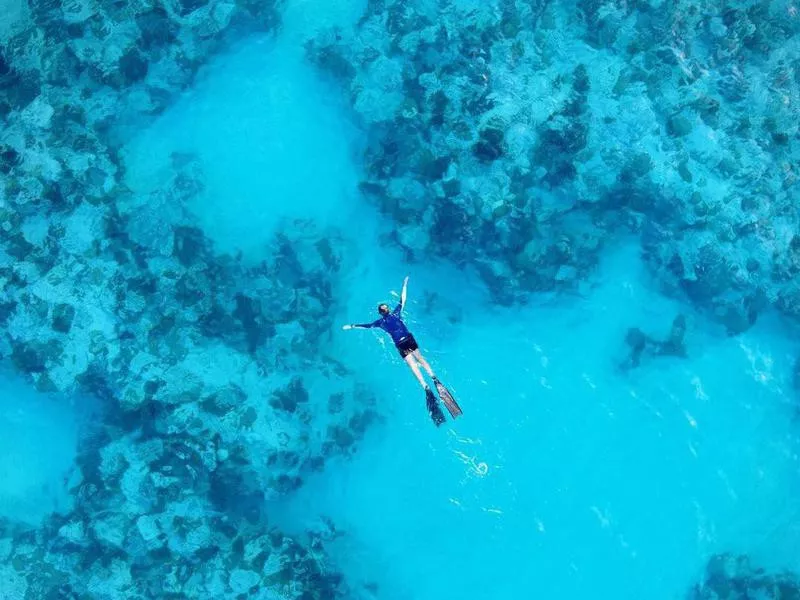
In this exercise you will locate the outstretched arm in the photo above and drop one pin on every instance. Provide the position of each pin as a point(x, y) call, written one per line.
point(362, 325)
point(400, 306)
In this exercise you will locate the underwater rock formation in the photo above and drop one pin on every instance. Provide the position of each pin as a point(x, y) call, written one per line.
point(730, 577)
point(122, 296)
point(641, 345)
point(129, 297)
point(518, 137)
point(197, 360)
point(178, 549)
point(514, 138)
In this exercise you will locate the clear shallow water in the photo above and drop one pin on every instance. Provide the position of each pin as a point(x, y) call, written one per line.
point(269, 135)
point(565, 477)
point(39, 436)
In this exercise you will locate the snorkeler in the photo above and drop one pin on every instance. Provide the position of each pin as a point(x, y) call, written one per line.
point(392, 323)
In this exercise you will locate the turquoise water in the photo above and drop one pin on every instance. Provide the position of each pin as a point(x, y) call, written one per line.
point(39, 446)
point(269, 135)
point(567, 476)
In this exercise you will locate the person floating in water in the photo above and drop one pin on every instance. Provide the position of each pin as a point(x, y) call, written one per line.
point(391, 321)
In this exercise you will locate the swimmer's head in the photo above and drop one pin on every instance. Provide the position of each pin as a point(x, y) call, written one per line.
point(383, 308)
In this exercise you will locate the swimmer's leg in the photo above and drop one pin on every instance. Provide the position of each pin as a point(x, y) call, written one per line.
point(431, 403)
point(412, 363)
point(418, 355)
point(444, 393)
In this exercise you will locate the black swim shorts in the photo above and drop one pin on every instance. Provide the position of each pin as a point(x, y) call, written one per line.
point(407, 345)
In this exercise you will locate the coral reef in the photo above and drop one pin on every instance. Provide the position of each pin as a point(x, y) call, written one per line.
point(730, 577)
point(198, 361)
point(216, 387)
point(179, 549)
point(515, 137)
point(519, 137)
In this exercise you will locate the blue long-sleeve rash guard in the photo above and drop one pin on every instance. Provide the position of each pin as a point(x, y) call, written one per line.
point(391, 324)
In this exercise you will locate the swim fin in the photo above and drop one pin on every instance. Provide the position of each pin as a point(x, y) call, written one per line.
point(447, 398)
point(433, 407)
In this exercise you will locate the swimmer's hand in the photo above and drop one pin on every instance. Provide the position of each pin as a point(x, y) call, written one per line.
point(346, 327)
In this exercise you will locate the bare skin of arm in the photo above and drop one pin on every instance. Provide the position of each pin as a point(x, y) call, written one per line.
point(403, 292)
